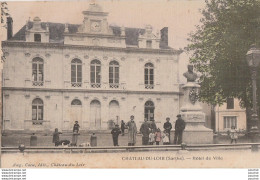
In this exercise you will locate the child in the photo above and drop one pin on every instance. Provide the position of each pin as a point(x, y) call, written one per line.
point(165, 138)
point(233, 134)
point(151, 137)
point(56, 137)
point(115, 133)
point(158, 136)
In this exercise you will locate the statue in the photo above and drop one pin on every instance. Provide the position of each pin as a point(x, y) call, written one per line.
point(190, 75)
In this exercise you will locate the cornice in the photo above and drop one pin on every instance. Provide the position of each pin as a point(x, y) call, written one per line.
point(62, 46)
point(90, 91)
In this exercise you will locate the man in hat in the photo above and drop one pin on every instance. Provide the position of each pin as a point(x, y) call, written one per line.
point(145, 130)
point(167, 127)
point(179, 128)
point(115, 133)
point(76, 127)
point(132, 131)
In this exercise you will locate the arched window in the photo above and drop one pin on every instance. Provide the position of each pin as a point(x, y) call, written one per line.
point(37, 111)
point(76, 73)
point(149, 110)
point(76, 102)
point(114, 74)
point(95, 73)
point(149, 76)
point(37, 72)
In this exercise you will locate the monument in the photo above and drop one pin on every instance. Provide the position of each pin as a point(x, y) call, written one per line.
point(195, 131)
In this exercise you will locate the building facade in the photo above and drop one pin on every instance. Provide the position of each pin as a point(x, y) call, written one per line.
point(55, 74)
point(230, 114)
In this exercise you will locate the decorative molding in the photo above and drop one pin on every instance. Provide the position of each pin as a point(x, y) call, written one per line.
point(123, 98)
point(27, 54)
point(47, 55)
point(158, 99)
point(86, 56)
point(27, 96)
point(47, 96)
point(141, 99)
point(105, 98)
point(141, 59)
point(105, 58)
point(67, 55)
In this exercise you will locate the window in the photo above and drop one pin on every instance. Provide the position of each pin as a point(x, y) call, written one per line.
point(149, 110)
point(230, 121)
point(95, 77)
point(37, 38)
point(230, 103)
point(113, 74)
point(149, 44)
point(76, 102)
point(37, 72)
point(76, 73)
point(149, 76)
point(37, 111)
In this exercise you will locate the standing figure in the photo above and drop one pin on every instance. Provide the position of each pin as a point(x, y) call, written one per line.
point(115, 133)
point(76, 127)
point(123, 127)
point(132, 130)
point(153, 125)
point(151, 137)
point(145, 130)
point(158, 136)
point(56, 137)
point(93, 140)
point(233, 134)
point(165, 138)
point(179, 128)
point(74, 138)
point(167, 127)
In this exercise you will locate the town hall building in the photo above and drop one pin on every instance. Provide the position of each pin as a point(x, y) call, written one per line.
point(55, 74)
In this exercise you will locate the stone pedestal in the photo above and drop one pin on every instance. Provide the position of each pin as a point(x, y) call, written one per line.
point(191, 112)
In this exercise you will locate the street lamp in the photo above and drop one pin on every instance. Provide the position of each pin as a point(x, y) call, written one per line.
point(253, 60)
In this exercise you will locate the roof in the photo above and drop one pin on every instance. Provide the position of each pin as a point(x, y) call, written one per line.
point(57, 33)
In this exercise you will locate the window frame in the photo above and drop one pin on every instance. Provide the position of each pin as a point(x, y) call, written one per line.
point(37, 104)
point(113, 71)
point(37, 37)
point(76, 67)
point(229, 121)
point(149, 76)
point(37, 71)
point(148, 109)
point(95, 76)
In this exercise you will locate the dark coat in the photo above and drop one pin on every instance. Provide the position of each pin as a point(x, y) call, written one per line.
point(115, 132)
point(122, 125)
point(145, 129)
point(180, 125)
point(167, 126)
point(56, 137)
point(76, 128)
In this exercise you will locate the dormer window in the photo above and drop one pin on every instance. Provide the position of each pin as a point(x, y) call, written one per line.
point(37, 38)
point(148, 44)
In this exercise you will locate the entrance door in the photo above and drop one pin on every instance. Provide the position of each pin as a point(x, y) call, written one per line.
point(114, 111)
point(75, 113)
point(95, 115)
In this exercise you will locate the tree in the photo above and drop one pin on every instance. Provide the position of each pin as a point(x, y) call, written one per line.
point(218, 50)
point(4, 14)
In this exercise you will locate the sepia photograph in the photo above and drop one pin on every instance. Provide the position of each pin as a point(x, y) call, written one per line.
point(130, 84)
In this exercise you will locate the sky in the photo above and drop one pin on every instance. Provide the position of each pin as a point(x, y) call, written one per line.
point(180, 16)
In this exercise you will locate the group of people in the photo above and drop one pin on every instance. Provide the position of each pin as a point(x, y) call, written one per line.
point(150, 133)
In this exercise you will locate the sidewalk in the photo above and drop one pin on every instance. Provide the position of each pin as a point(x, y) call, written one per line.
point(103, 139)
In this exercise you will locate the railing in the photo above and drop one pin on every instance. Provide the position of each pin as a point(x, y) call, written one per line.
point(37, 83)
point(149, 86)
point(114, 85)
point(76, 84)
point(95, 85)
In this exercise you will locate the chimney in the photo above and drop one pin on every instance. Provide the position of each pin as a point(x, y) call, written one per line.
point(9, 22)
point(164, 37)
